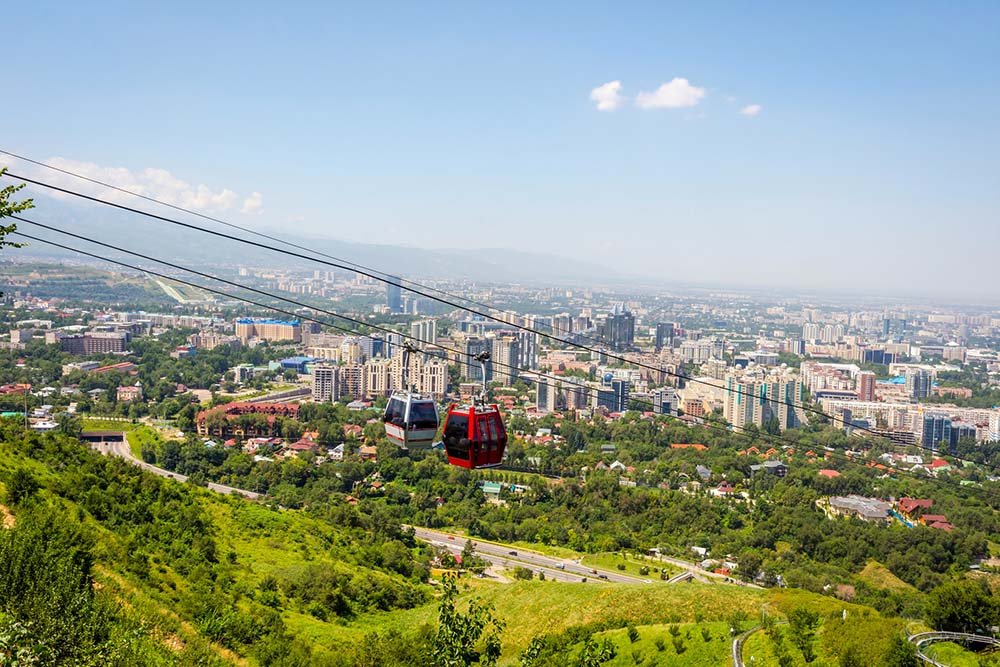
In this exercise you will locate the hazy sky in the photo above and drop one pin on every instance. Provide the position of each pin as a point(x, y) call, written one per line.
point(798, 144)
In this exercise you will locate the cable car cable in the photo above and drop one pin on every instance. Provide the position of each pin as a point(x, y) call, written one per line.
point(793, 404)
point(766, 437)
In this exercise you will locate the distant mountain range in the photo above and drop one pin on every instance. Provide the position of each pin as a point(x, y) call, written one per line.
point(184, 246)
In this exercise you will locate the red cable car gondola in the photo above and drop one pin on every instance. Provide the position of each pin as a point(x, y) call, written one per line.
point(475, 435)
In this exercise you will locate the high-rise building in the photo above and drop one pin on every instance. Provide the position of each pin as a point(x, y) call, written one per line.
point(620, 387)
point(562, 325)
point(527, 342)
point(918, 383)
point(618, 329)
point(994, 433)
point(475, 345)
point(393, 294)
point(352, 379)
point(433, 378)
point(756, 397)
point(664, 335)
point(425, 331)
point(506, 357)
point(866, 386)
point(555, 396)
point(378, 378)
point(810, 331)
point(326, 383)
point(936, 430)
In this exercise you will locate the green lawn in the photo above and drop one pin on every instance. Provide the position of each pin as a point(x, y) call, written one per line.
point(655, 645)
point(953, 655)
point(532, 608)
point(611, 561)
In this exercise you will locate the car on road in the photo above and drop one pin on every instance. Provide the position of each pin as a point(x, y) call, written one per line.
point(593, 571)
point(602, 576)
point(560, 566)
point(511, 553)
point(451, 537)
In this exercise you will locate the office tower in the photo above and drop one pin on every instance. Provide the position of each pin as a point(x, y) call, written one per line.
point(475, 345)
point(393, 295)
point(664, 335)
point(866, 386)
point(618, 329)
point(918, 383)
point(936, 429)
point(620, 387)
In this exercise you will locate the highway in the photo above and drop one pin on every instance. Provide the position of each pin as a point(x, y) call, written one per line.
point(122, 449)
point(560, 569)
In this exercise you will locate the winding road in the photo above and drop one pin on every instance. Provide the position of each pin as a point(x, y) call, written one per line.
point(922, 639)
point(120, 447)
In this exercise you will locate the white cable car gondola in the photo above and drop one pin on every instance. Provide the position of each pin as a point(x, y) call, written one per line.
point(411, 419)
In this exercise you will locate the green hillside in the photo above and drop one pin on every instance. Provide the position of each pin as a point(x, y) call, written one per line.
point(185, 576)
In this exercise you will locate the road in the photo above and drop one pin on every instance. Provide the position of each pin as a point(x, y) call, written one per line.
point(511, 556)
point(924, 638)
point(122, 449)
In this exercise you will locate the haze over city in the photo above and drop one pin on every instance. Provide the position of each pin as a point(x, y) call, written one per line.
point(848, 147)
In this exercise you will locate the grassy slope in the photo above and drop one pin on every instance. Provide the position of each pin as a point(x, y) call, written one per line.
point(267, 541)
point(878, 576)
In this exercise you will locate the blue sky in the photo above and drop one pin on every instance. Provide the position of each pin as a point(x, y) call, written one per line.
point(876, 146)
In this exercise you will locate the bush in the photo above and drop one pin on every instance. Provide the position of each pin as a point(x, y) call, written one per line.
point(633, 634)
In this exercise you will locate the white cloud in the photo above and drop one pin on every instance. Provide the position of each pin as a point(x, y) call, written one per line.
point(253, 203)
point(607, 96)
point(751, 109)
point(674, 95)
point(151, 182)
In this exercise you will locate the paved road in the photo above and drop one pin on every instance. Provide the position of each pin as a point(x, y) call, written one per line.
point(922, 639)
point(738, 646)
point(122, 449)
point(570, 570)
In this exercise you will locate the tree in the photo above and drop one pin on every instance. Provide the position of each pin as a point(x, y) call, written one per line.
point(901, 653)
point(21, 486)
point(963, 605)
point(803, 623)
point(9, 208)
point(459, 635)
point(594, 654)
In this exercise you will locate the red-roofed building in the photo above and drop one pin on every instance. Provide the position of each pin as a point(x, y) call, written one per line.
point(943, 525)
point(829, 474)
point(245, 419)
point(939, 464)
point(930, 519)
point(686, 445)
point(909, 506)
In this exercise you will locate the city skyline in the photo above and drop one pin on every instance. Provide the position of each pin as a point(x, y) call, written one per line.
point(750, 150)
